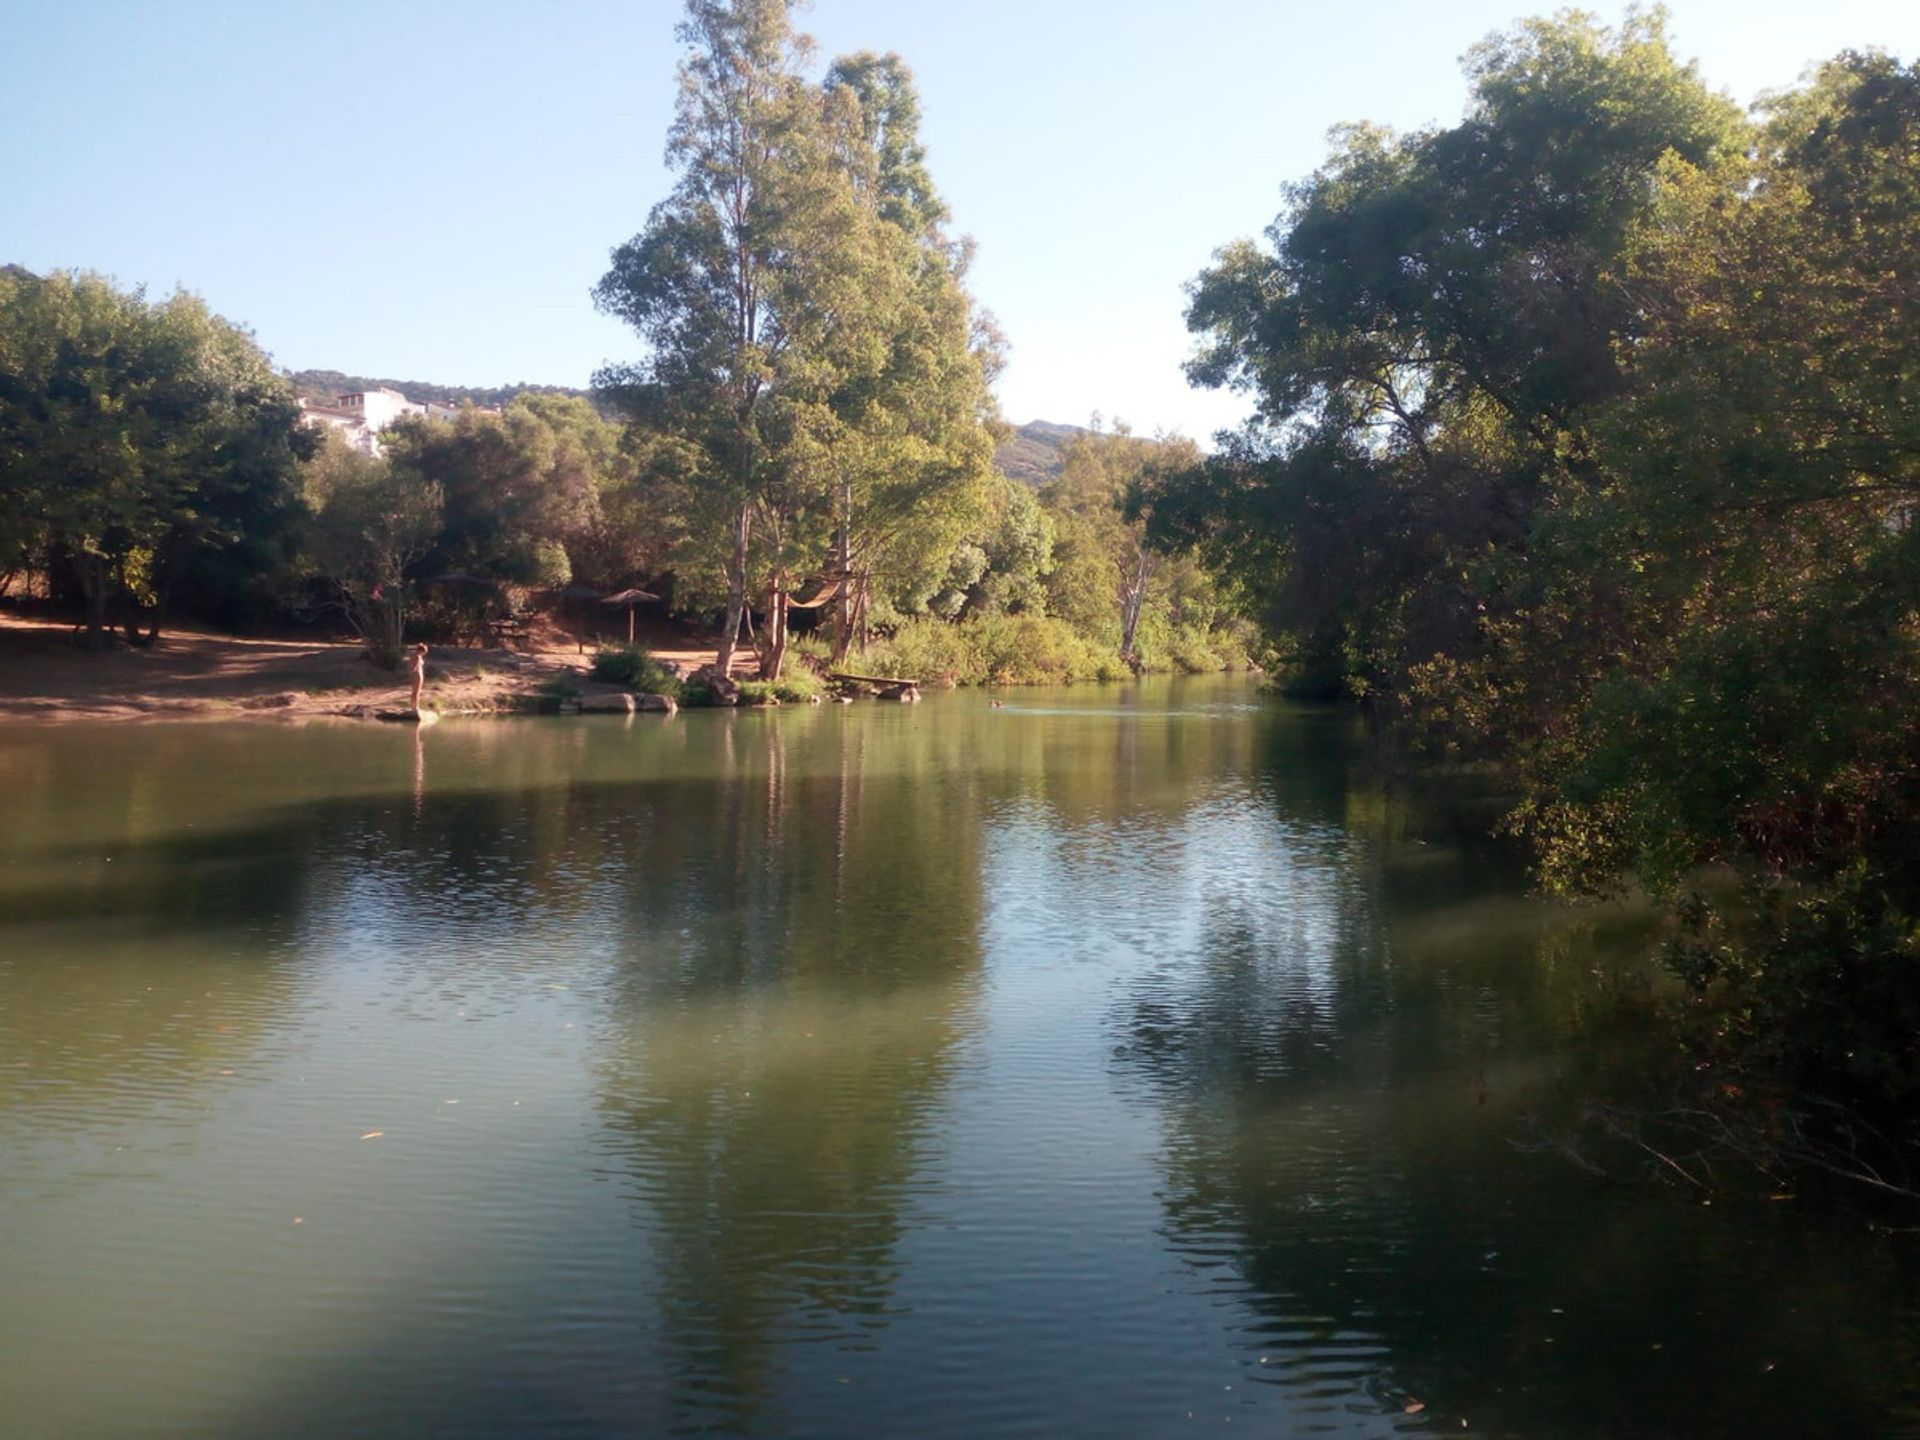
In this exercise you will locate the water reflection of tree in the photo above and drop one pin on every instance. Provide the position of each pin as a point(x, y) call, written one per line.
point(798, 978)
point(1340, 1096)
point(142, 942)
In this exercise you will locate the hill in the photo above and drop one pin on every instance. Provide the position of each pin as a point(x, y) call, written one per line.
point(1034, 453)
point(331, 384)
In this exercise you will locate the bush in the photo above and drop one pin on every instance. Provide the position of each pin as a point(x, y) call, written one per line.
point(996, 649)
point(816, 645)
point(1040, 650)
point(1819, 984)
point(632, 667)
point(1192, 652)
point(795, 689)
point(925, 649)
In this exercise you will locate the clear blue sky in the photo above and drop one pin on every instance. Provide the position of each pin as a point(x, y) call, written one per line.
point(429, 190)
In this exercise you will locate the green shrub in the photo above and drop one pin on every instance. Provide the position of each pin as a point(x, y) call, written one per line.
point(796, 688)
point(816, 645)
point(925, 649)
point(799, 686)
point(1040, 650)
point(994, 649)
point(1192, 651)
point(632, 667)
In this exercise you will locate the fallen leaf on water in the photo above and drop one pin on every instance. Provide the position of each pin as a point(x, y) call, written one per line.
point(1783, 1195)
point(1414, 1407)
point(373, 1135)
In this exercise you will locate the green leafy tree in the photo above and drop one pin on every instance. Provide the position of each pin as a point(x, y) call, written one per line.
point(514, 487)
point(1018, 542)
point(373, 524)
point(1105, 573)
point(731, 283)
point(1755, 525)
point(908, 434)
point(135, 434)
point(1588, 442)
point(1423, 339)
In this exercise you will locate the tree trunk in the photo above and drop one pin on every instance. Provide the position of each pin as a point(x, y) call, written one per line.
point(137, 636)
point(1133, 596)
point(843, 604)
point(90, 572)
point(736, 587)
point(773, 640)
point(860, 584)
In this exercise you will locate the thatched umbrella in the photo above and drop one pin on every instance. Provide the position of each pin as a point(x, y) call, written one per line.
point(627, 600)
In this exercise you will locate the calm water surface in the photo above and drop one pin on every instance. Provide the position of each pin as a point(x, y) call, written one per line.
point(1117, 1063)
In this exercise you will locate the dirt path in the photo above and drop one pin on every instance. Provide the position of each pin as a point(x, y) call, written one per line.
point(196, 674)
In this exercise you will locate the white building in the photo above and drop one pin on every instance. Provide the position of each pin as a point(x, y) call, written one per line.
point(361, 417)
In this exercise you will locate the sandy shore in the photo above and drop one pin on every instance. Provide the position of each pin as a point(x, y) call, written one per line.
point(196, 674)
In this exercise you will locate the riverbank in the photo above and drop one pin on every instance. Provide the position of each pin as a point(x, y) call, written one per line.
point(193, 673)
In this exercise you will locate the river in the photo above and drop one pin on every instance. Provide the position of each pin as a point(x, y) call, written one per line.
point(1121, 1061)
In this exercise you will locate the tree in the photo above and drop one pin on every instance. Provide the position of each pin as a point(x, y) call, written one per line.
point(1588, 443)
point(909, 439)
point(1101, 502)
point(730, 281)
point(135, 435)
point(373, 524)
point(1425, 341)
point(811, 336)
point(514, 487)
point(1760, 481)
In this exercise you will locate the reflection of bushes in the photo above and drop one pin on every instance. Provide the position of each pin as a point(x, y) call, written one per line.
point(633, 667)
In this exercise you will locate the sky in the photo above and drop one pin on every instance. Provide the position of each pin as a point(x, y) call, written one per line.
point(430, 190)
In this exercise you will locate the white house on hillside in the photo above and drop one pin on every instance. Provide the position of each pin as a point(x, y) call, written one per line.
point(361, 417)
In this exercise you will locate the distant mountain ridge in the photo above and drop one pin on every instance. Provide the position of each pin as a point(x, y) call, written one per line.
point(1036, 451)
point(331, 384)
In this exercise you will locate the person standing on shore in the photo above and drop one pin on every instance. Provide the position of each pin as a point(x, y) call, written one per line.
point(417, 668)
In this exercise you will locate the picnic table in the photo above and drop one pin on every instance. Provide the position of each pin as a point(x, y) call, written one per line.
point(509, 632)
